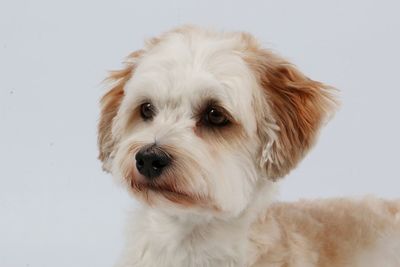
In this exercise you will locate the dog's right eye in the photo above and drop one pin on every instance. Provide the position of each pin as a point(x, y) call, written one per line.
point(215, 117)
point(147, 111)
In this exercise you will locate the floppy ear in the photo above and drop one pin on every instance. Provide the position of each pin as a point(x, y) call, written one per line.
point(109, 105)
point(294, 108)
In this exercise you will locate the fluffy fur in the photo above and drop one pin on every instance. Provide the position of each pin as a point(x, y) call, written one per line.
point(213, 205)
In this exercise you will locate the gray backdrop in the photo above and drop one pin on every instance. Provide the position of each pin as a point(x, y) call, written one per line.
point(57, 208)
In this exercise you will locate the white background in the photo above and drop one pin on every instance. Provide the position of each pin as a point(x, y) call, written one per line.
point(57, 208)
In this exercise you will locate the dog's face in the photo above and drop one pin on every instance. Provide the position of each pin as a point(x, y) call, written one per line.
point(200, 120)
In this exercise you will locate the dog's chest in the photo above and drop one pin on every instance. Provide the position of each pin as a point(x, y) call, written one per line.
point(180, 245)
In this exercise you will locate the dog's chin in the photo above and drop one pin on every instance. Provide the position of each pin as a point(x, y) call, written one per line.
point(161, 192)
point(153, 192)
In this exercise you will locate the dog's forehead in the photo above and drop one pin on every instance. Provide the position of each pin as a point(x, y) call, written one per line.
point(188, 73)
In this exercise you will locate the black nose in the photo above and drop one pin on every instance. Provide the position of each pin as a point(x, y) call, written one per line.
point(151, 161)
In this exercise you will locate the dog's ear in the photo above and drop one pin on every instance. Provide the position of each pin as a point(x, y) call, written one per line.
point(109, 105)
point(292, 111)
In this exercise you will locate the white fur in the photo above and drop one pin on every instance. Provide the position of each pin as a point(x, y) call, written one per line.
point(156, 238)
point(187, 72)
point(177, 75)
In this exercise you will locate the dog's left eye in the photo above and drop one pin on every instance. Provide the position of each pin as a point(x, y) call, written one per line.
point(215, 117)
point(147, 111)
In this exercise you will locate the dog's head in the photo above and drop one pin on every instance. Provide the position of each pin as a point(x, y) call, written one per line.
point(198, 120)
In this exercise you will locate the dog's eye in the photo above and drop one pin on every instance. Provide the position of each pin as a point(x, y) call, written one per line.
point(147, 111)
point(215, 117)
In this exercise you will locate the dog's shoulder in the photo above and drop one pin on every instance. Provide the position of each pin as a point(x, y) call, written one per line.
point(327, 232)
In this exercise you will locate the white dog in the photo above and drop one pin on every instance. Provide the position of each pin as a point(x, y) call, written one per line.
point(199, 125)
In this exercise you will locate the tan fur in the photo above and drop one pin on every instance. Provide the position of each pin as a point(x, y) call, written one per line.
point(110, 103)
point(322, 233)
point(299, 106)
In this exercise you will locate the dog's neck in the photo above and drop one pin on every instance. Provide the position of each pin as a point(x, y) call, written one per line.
point(163, 239)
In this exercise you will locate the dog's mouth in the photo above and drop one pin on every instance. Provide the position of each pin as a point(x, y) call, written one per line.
point(167, 191)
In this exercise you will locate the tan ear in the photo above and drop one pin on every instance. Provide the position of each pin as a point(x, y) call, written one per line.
point(109, 105)
point(298, 106)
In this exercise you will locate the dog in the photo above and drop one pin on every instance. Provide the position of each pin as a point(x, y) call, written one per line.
point(199, 126)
